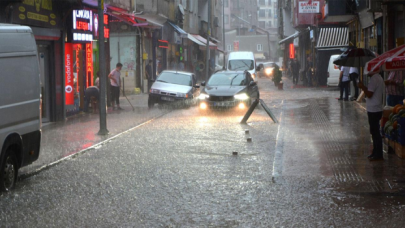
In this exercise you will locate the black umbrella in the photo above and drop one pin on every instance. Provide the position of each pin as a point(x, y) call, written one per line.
point(355, 57)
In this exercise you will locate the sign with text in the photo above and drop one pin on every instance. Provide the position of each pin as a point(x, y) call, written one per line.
point(69, 77)
point(292, 51)
point(96, 24)
point(82, 26)
point(37, 13)
point(308, 7)
point(89, 64)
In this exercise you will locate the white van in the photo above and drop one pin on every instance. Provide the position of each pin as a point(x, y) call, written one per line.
point(333, 72)
point(241, 61)
point(20, 118)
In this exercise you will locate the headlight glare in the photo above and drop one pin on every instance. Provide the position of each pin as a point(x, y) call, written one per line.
point(242, 96)
point(203, 96)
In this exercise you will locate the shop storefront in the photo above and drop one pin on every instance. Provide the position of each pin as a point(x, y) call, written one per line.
point(45, 21)
point(81, 56)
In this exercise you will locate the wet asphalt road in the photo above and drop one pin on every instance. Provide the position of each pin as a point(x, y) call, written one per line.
point(179, 171)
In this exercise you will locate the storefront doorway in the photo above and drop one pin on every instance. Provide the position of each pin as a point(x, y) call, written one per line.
point(44, 66)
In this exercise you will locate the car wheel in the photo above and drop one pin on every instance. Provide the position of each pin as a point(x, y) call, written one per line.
point(150, 103)
point(8, 171)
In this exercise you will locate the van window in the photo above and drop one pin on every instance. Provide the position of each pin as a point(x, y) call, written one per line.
point(241, 64)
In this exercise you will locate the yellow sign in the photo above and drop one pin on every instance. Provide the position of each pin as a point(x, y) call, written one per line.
point(22, 9)
point(22, 16)
point(38, 17)
point(145, 56)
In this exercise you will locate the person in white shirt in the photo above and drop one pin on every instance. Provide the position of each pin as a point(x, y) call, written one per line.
point(344, 82)
point(354, 76)
point(374, 106)
point(115, 79)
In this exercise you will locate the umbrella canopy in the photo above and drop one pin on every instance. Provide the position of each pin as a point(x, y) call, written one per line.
point(354, 57)
point(391, 60)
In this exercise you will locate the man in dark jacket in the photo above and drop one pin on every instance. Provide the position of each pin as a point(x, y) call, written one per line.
point(295, 67)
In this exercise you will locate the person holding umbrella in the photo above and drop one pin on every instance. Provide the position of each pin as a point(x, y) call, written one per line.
point(374, 106)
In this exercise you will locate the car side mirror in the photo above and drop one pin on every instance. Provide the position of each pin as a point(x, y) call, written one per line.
point(196, 86)
point(252, 83)
point(203, 83)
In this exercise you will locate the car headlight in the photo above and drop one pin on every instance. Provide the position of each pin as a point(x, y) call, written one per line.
point(203, 96)
point(253, 76)
point(269, 70)
point(154, 91)
point(242, 96)
point(182, 95)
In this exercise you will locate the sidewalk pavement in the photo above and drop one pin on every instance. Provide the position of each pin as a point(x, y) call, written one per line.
point(323, 137)
point(62, 139)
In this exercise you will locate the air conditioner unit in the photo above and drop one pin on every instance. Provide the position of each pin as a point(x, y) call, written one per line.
point(374, 6)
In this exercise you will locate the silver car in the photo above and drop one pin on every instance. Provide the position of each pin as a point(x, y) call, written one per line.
point(174, 87)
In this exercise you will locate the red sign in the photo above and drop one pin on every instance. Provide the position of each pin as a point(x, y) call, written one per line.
point(89, 64)
point(292, 51)
point(69, 77)
point(236, 45)
point(77, 48)
point(163, 44)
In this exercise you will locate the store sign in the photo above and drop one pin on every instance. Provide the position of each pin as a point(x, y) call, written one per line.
point(236, 45)
point(69, 77)
point(163, 44)
point(308, 7)
point(89, 64)
point(292, 51)
point(96, 25)
point(82, 26)
point(35, 12)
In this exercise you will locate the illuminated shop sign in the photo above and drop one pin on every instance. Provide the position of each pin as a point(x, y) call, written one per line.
point(89, 64)
point(69, 77)
point(292, 51)
point(163, 43)
point(82, 26)
point(106, 30)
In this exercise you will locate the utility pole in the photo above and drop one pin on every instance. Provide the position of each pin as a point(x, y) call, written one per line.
point(223, 32)
point(207, 61)
point(103, 78)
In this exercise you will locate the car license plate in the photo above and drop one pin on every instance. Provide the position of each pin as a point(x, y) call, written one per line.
point(167, 98)
point(219, 104)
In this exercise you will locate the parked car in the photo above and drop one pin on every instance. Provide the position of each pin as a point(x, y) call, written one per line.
point(333, 72)
point(174, 87)
point(266, 69)
point(20, 102)
point(228, 89)
point(241, 61)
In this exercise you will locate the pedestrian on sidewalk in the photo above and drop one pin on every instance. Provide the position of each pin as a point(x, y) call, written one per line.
point(394, 88)
point(344, 82)
point(354, 76)
point(374, 105)
point(295, 68)
point(91, 92)
point(115, 79)
point(149, 74)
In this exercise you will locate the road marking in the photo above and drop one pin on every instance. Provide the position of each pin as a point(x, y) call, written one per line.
point(278, 156)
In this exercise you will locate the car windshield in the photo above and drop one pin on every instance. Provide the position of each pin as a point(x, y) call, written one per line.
point(175, 78)
point(221, 79)
point(241, 64)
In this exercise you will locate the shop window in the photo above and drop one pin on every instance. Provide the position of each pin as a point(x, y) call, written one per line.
point(229, 47)
point(259, 47)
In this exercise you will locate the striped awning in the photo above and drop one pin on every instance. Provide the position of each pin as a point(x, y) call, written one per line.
point(333, 38)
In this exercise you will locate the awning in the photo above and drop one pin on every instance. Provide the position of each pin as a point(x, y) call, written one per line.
point(333, 38)
point(204, 41)
point(153, 20)
point(125, 17)
point(192, 38)
point(214, 40)
point(179, 30)
point(293, 36)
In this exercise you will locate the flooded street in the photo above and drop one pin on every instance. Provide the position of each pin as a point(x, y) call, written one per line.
point(181, 170)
